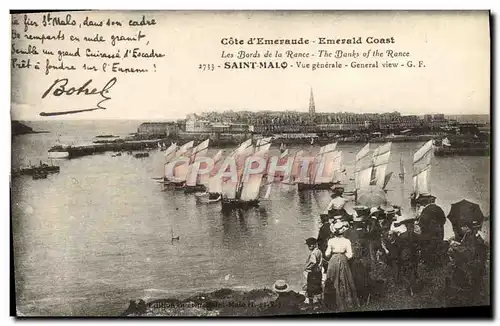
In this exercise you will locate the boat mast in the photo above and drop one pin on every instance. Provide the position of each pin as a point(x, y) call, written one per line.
point(402, 178)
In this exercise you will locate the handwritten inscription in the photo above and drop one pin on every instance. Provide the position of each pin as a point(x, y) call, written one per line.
point(60, 87)
point(88, 43)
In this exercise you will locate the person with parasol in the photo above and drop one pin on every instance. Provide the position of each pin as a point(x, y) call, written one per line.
point(468, 254)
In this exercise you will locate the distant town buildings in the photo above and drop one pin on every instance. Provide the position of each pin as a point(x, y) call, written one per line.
point(293, 124)
point(158, 129)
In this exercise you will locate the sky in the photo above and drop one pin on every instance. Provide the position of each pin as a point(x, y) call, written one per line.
point(454, 46)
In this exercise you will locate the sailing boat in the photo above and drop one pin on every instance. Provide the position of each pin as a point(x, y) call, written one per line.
point(245, 194)
point(323, 163)
point(169, 155)
point(180, 171)
point(380, 159)
point(193, 183)
point(370, 172)
point(282, 160)
point(216, 186)
point(212, 182)
point(422, 171)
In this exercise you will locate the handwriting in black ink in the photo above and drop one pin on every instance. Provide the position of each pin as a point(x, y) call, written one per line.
point(60, 87)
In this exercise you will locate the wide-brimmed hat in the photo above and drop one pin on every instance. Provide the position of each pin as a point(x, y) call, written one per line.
point(337, 190)
point(358, 218)
point(339, 227)
point(311, 241)
point(374, 210)
point(281, 286)
point(425, 198)
point(389, 210)
point(361, 210)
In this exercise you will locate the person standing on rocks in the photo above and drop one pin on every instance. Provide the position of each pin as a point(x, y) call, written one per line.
point(313, 268)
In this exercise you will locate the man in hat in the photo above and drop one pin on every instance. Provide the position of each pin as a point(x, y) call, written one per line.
point(288, 301)
point(431, 222)
point(313, 267)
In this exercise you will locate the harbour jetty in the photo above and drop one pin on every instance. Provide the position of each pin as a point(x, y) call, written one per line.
point(99, 148)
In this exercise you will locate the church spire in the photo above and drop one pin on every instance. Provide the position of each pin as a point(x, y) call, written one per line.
point(312, 108)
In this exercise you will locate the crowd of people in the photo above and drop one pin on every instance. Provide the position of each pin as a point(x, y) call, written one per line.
point(350, 245)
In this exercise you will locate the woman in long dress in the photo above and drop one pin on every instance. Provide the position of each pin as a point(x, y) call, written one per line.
point(340, 292)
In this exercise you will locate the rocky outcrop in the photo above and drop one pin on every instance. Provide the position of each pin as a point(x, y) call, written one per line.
point(19, 128)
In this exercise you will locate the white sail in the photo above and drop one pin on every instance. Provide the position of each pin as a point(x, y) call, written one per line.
point(363, 152)
point(170, 152)
point(242, 147)
point(181, 171)
point(421, 168)
point(284, 154)
point(200, 151)
point(337, 168)
point(229, 187)
point(251, 187)
point(184, 149)
point(213, 180)
point(324, 158)
point(421, 182)
point(423, 151)
point(363, 168)
point(364, 177)
point(169, 155)
point(327, 148)
point(262, 150)
point(296, 165)
point(262, 142)
point(380, 157)
point(330, 165)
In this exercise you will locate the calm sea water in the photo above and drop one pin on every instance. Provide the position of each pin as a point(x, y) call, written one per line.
point(98, 234)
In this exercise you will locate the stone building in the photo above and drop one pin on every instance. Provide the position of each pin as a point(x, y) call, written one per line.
point(158, 129)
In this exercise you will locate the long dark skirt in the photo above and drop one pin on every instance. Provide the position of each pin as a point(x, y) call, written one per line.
point(314, 286)
point(340, 291)
point(360, 269)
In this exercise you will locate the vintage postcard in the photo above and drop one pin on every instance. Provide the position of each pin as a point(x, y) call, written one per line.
point(249, 163)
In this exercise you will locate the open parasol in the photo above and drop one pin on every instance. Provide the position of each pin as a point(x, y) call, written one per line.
point(371, 196)
point(465, 212)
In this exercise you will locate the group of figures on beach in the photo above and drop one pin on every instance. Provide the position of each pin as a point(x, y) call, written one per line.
point(350, 245)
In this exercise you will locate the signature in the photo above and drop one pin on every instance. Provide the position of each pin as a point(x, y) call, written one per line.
point(60, 87)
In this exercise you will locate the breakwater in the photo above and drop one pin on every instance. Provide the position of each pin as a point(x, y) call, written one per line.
point(135, 144)
point(99, 148)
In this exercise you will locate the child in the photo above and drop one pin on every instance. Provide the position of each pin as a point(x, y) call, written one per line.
point(313, 269)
